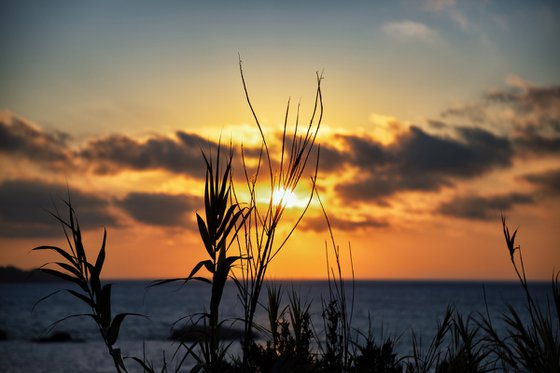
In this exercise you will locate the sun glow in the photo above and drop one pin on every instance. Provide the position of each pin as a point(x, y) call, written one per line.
point(287, 198)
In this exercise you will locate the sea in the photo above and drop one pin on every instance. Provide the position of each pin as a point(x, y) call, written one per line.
point(382, 309)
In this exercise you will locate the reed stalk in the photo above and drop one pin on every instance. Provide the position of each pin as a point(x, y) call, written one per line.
point(259, 242)
point(77, 270)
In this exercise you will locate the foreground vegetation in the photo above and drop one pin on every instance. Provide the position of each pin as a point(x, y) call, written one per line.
point(241, 239)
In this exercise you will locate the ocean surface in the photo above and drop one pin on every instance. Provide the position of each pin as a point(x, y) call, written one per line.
point(386, 308)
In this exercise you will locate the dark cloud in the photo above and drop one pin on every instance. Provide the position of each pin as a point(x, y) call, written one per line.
point(180, 154)
point(535, 143)
point(366, 152)
point(419, 161)
point(474, 152)
point(330, 159)
point(115, 153)
point(548, 182)
point(318, 224)
point(165, 210)
point(483, 207)
point(25, 206)
point(23, 139)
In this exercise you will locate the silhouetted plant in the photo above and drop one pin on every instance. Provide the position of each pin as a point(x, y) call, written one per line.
point(218, 230)
point(532, 346)
point(301, 327)
point(76, 269)
point(259, 243)
point(332, 354)
point(425, 361)
point(274, 312)
point(466, 352)
point(337, 313)
point(372, 358)
point(148, 366)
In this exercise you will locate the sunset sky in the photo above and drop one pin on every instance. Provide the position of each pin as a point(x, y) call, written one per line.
point(438, 116)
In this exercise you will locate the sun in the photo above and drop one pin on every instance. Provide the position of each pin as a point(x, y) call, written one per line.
point(287, 198)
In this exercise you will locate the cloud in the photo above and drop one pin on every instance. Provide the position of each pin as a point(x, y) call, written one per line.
point(419, 161)
point(460, 19)
point(438, 5)
point(548, 182)
point(179, 154)
point(529, 114)
point(409, 30)
point(318, 223)
point(536, 144)
point(166, 210)
point(115, 153)
point(529, 98)
point(483, 207)
point(24, 207)
point(19, 137)
point(449, 7)
point(330, 159)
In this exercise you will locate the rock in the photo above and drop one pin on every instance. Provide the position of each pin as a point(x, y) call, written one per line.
point(56, 337)
point(190, 333)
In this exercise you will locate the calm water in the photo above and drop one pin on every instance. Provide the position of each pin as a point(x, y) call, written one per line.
point(390, 308)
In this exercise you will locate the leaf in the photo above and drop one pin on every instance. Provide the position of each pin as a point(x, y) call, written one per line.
point(45, 298)
point(220, 206)
point(205, 237)
point(209, 265)
point(65, 277)
point(93, 316)
point(185, 280)
point(201, 279)
point(80, 251)
point(118, 359)
point(220, 278)
point(205, 263)
point(226, 220)
point(94, 280)
point(61, 221)
point(83, 297)
point(101, 256)
point(223, 191)
point(210, 201)
point(226, 264)
point(63, 253)
point(116, 326)
point(144, 366)
point(222, 271)
point(163, 282)
point(73, 270)
point(105, 305)
point(223, 240)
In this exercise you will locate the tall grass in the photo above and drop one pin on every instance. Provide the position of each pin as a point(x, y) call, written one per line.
point(218, 230)
point(532, 346)
point(259, 242)
point(338, 310)
point(76, 269)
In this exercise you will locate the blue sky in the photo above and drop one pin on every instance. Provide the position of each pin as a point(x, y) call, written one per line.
point(406, 58)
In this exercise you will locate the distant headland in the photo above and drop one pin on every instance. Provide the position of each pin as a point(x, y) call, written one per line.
point(11, 274)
